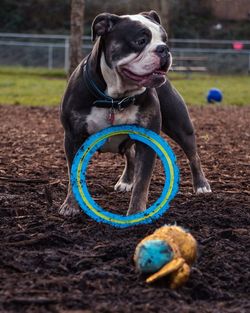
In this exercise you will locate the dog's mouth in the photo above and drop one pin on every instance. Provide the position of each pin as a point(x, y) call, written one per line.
point(142, 78)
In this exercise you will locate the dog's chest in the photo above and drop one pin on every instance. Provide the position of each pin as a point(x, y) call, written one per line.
point(99, 118)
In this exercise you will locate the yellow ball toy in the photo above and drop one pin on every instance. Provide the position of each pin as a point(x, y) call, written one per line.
point(169, 251)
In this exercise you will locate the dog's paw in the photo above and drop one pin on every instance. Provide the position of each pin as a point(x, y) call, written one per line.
point(121, 186)
point(203, 190)
point(69, 209)
point(203, 187)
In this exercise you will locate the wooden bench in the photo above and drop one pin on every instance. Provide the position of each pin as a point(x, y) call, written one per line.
point(187, 64)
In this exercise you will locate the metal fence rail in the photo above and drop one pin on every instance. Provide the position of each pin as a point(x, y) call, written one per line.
point(52, 51)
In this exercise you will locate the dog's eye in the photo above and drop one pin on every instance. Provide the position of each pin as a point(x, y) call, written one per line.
point(141, 41)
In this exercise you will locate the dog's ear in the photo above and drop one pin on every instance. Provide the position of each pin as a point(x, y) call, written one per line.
point(103, 23)
point(153, 15)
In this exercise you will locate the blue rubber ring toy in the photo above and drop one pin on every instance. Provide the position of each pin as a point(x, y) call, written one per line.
point(87, 150)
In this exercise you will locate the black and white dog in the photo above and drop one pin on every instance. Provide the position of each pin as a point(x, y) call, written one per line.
point(123, 81)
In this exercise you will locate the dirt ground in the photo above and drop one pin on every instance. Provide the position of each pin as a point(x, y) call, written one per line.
point(53, 264)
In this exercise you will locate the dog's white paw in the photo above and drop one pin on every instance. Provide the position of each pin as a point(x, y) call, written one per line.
point(120, 186)
point(69, 210)
point(204, 189)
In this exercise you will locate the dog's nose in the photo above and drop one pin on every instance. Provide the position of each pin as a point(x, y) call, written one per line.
point(162, 50)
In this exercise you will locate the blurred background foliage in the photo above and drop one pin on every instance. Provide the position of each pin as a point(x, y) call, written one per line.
point(185, 18)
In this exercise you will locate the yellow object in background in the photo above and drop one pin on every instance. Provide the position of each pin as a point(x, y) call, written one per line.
point(170, 251)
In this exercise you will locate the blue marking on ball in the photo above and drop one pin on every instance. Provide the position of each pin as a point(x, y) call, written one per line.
point(214, 95)
point(152, 255)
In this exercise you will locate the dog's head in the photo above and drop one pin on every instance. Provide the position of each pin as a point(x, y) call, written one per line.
point(135, 46)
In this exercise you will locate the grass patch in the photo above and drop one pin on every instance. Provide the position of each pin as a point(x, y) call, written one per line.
point(40, 86)
point(36, 71)
point(194, 89)
point(31, 86)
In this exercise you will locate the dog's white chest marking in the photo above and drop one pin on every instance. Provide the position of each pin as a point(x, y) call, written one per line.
point(98, 119)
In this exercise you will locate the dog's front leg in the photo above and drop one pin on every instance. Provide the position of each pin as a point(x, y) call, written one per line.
point(144, 165)
point(70, 206)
